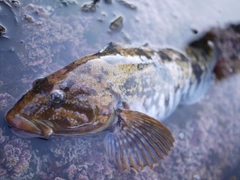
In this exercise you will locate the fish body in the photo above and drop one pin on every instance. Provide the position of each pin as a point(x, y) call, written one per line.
point(125, 91)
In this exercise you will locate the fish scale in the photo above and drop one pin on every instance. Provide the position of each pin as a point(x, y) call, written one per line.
point(125, 91)
point(170, 70)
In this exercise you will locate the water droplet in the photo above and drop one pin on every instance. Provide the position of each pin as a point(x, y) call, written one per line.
point(174, 15)
point(128, 5)
point(140, 66)
point(88, 7)
point(195, 31)
point(196, 177)
point(16, 3)
point(2, 30)
point(181, 135)
point(28, 18)
point(103, 16)
point(67, 2)
point(108, 1)
point(126, 37)
point(117, 24)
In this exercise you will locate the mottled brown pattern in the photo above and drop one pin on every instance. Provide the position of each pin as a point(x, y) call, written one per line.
point(88, 95)
point(113, 75)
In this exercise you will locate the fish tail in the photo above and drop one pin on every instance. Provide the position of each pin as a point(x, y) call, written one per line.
point(202, 55)
point(204, 51)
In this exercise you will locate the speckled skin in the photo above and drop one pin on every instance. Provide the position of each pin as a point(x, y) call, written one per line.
point(94, 87)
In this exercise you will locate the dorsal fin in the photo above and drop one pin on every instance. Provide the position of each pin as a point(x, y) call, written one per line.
point(112, 46)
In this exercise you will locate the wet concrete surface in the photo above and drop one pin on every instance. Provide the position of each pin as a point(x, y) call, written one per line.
point(39, 37)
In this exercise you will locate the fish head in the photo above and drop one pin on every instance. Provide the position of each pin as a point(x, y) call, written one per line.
point(56, 106)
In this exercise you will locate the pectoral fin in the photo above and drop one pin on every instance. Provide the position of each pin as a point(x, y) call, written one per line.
point(137, 140)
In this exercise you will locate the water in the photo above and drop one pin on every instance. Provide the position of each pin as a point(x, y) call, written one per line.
point(43, 36)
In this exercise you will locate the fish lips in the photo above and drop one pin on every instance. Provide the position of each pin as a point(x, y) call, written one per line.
point(24, 127)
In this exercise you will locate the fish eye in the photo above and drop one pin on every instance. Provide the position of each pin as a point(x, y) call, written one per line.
point(56, 98)
point(36, 81)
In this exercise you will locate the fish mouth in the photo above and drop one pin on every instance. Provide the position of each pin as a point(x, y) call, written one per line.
point(25, 127)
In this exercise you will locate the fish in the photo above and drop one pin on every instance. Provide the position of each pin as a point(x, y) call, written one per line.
point(124, 91)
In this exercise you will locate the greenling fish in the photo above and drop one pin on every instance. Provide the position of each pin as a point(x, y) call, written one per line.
point(122, 90)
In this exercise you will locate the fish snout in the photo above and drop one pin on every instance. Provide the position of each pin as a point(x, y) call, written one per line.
point(24, 127)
